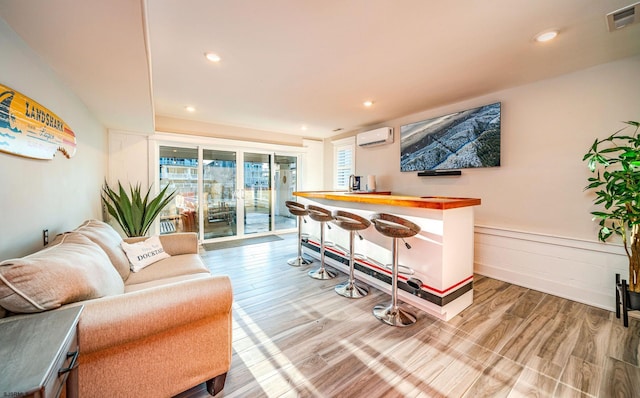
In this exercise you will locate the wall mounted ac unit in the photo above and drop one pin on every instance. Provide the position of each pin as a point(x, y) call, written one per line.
point(379, 136)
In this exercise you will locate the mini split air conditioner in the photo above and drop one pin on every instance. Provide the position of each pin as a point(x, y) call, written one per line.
point(379, 136)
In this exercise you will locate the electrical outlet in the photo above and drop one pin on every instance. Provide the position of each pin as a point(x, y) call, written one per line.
point(45, 237)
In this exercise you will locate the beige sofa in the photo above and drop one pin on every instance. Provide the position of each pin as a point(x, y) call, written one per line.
point(153, 333)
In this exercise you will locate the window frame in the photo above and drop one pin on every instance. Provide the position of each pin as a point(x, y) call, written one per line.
point(339, 170)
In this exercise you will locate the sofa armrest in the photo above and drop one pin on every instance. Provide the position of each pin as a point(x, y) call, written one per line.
point(174, 244)
point(115, 320)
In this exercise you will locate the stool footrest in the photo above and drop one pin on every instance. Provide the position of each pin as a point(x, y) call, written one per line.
point(402, 269)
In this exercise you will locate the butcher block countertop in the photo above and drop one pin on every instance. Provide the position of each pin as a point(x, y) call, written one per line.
point(386, 198)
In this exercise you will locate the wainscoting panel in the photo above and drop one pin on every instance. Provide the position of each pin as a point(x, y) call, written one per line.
point(578, 270)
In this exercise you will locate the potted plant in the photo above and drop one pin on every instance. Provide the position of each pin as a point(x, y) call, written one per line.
point(134, 213)
point(615, 161)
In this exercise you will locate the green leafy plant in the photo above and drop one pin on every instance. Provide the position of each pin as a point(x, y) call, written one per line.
point(616, 162)
point(134, 213)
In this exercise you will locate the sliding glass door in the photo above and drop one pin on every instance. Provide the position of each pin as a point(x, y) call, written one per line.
point(284, 184)
point(179, 170)
point(226, 193)
point(219, 193)
point(257, 192)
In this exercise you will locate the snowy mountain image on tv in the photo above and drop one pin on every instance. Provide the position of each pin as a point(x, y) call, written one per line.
point(465, 139)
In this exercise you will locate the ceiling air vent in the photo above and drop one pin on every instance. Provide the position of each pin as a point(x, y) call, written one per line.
point(623, 17)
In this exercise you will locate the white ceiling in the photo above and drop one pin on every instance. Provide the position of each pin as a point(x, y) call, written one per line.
point(97, 48)
point(288, 63)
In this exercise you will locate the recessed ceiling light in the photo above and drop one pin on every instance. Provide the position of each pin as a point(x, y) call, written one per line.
point(189, 109)
point(546, 36)
point(303, 128)
point(368, 104)
point(212, 57)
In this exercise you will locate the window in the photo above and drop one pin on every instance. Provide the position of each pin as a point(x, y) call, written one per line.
point(344, 155)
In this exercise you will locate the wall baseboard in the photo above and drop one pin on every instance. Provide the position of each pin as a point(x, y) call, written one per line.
point(579, 270)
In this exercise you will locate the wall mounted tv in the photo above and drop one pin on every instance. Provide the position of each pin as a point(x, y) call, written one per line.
point(465, 139)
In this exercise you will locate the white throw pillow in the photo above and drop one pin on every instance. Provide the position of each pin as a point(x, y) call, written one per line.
point(144, 253)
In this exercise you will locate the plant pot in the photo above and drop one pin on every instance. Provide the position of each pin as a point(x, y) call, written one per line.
point(633, 300)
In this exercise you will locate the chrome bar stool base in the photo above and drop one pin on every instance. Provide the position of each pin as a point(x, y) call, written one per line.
point(299, 261)
point(322, 273)
point(399, 316)
point(351, 290)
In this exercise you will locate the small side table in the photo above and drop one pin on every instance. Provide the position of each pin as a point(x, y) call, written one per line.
point(39, 354)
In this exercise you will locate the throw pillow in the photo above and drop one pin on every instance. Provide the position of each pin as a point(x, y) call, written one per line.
point(70, 269)
point(145, 253)
point(103, 235)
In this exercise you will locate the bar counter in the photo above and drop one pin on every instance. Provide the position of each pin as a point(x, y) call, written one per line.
point(438, 269)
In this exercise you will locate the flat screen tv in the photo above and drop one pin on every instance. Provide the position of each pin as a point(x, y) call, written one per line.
point(465, 139)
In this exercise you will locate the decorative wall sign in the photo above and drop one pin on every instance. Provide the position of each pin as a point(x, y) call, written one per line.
point(31, 130)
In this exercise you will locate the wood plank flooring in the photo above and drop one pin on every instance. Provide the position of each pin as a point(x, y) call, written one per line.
point(294, 337)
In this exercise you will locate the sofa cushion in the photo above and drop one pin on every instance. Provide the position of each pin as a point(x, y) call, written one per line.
point(109, 240)
point(145, 253)
point(184, 264)
point(70, 269)
point(174, 244)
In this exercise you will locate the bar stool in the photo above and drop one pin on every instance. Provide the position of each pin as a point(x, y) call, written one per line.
point(298, 209)
point(396, 228)
point(352, 223)
point(323, 216)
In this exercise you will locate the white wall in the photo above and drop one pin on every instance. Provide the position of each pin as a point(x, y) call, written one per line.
point(53, 194)
point(537, 191)
point(546, 128)
point(313, 169)
point(128, 159)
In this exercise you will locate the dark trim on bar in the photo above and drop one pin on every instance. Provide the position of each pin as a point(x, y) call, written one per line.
point(430, 297)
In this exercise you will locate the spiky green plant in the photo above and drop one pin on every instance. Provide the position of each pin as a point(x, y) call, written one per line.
point(134, 213)
point(616, 160)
